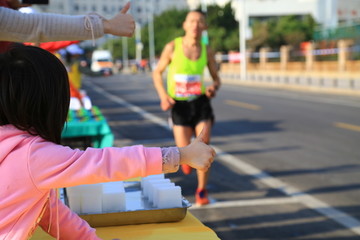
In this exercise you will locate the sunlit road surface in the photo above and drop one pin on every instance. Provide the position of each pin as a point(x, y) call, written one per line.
point(288, 163)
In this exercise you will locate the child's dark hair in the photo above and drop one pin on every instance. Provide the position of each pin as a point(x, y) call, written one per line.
point(34, 91)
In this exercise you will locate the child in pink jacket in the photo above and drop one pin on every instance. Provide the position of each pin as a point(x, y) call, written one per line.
point(34, 101)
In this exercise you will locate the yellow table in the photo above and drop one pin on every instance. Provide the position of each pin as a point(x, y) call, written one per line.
point(190, 228)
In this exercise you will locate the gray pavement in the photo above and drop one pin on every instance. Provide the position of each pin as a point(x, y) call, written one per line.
point(287, 166)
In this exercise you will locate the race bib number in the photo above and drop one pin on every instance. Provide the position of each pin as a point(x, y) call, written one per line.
point(187, 85)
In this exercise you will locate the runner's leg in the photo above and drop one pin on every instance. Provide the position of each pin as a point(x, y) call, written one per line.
point(201, 195)
point(182, 136)
point(203, 176)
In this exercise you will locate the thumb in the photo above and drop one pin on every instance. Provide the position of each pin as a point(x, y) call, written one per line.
point(125, 8)
point(204, 134)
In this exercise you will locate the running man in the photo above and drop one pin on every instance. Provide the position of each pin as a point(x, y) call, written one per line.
point(186, 94)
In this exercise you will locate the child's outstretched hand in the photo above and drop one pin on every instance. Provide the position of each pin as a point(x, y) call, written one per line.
point(198, 154)
point(122, 24)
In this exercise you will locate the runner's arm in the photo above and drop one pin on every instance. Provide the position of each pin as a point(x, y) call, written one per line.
point(210, 90)
point(165, 59)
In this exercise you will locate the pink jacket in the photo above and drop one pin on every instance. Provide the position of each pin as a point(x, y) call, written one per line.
point(31, 167)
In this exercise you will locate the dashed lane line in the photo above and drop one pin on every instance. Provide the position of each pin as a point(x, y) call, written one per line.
point(311, 202)
point(243, 105)
point(347, 126)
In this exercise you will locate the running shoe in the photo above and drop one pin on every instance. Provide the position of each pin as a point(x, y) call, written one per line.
point(201, 197)
point(186, 169)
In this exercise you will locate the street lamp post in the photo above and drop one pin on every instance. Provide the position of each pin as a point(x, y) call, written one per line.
point(125, 53)
point(205, 37)
point(203, 6)
point(151, 35)
point(242, 37)
point(138, 43)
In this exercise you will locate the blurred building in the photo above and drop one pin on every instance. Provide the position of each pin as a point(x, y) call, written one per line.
point(142, 8)
point(323, 11)
point(327, 13)
point(337, 19)
point(105, 8)
point(108, 8)
point(193, 4)
point(348, 11)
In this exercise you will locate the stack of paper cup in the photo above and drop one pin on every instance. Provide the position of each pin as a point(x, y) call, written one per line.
point(148, 187)
point(145, 179)
point(74, 198)
point(168, 197)
point(153, 184)
point(113, 197)
point(97, 198)
point(154, 193)
point(85, 198)
point(161, 192)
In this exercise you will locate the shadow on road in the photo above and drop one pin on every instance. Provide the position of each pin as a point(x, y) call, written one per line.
point(287, 223)
point(332, 169)
point(244, 126)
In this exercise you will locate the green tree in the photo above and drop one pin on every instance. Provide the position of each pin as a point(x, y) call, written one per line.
point(223, 31)
point(260, 32)
point(285, 30)
point(115, 45)
point(167, 26)
point(223, 28)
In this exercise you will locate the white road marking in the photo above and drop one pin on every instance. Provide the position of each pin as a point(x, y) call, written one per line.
point(311, 202)
point(246, 203)
point(150, 141)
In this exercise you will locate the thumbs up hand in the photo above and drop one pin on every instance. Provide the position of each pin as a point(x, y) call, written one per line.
point(122, 24)
point(198, 154)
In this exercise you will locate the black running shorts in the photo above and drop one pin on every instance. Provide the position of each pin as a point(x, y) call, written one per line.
point(190, 113)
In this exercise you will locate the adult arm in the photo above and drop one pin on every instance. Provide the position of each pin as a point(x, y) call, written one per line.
point(45, 27)
point(16, 26)
point(166, 102)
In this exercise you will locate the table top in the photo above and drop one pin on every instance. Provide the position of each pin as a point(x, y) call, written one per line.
point(88, 123)
point(190, 228)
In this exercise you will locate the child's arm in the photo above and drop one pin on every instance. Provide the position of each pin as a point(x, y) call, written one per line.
point(55, 166)
point(71, 226)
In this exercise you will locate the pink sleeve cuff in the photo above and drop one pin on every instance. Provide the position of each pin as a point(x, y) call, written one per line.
point(170, 159)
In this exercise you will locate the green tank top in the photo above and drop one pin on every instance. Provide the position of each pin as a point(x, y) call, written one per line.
point(185, 76)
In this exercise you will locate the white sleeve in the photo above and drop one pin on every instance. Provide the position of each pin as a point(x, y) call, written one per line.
point(44, 27)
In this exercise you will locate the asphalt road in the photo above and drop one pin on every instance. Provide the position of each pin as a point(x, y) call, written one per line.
point(288, 163)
